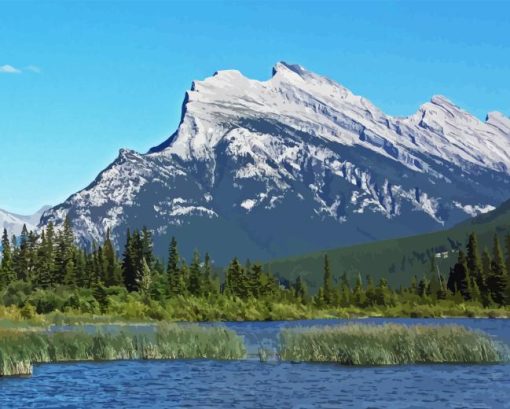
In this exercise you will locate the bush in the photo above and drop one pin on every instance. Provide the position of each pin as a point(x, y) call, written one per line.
point(16, 293)
point(46, 301)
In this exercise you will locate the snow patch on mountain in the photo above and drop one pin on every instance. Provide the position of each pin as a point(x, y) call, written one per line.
point(14, 222)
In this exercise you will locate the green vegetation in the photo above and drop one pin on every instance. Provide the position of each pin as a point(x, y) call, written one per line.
point(388, 345)
point(46, 278)
point(20, 349)
point(401, 259)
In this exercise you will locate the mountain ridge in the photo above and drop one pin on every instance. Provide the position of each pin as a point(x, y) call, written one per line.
point(253, 156)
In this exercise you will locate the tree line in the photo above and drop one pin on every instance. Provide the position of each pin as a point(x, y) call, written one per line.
point(482, 277)
point(52, 258)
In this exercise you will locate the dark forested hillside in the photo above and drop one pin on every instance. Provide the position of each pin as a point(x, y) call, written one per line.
point(401, 259)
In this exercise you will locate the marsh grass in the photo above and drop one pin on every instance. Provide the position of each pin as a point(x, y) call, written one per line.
point(19, 350)
point(389, 344)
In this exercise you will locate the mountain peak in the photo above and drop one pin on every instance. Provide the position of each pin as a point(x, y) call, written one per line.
point(441, 100)
point(283, 67)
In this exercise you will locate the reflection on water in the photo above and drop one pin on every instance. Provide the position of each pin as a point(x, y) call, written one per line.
point(250, 384)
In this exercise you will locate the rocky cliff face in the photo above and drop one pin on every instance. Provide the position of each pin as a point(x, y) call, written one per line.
point(296, 163)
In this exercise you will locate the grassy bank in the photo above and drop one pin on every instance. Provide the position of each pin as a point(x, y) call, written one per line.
point(194, 309)
point(388, 345)
point(20, 349)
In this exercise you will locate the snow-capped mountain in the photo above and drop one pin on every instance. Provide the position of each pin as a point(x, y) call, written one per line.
point(297, 163)
point(14, 222)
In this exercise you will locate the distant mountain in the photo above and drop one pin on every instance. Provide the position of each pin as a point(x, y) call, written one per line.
point(400, 259)
point(293, 164)
point(14, 222)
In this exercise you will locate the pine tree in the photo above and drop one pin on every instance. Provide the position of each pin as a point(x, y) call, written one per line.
point(255, 281)
point(300, 290)
point(64, 251)
point(49, 255)
point(474, 263)
point(210, 287)
point(7, 273)
point(21, 256)
point(423, 287)
point(358, 293)
point(345, 291)
point(147, 246)
point(370, 291)
point(195, 286)
point(235, 284)
point(459, 280)
point(382, 293)
point(507, 250)
point(497, 280)
point(80, 263)
point(183, 279)
point(173, 268)
point(112, 271)
point(129, 270)
point(328, 283)
point(45, 265)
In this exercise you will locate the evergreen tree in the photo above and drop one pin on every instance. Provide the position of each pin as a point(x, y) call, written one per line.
point(7, 273)
point(45, 265)
point(21, 256)
point(497, 280)
point(174, 279)
point(328, 283)
point(382, 293)
point(474, 263)
point(358, 293)
point(423, 287)
point(112, 270)
point(64, 252)
point(255, 281)
point(195, 286)
point(147, 247)
point(459, 277)
point(80, 263)
point(210, 287)
point(507, 250)
point(235, 283)
point(345, 291)
point(300, 290)
point(129, 270)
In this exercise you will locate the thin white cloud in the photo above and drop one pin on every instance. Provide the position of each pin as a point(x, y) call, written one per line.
point(9, 69)
point(33, 68)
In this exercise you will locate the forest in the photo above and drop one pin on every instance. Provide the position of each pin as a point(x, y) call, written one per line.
point(47, 273)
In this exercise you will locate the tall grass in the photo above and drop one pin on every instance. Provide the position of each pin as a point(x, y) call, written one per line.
point(389, 344)
point(20, 349)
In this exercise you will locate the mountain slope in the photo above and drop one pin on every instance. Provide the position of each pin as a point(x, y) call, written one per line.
point(14, 222)
point(264, 169)
point(400, 259)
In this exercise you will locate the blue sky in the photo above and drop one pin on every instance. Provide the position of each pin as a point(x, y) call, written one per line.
point(93, 77)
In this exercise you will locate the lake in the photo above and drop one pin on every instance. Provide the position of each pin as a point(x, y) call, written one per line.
point(251, 384)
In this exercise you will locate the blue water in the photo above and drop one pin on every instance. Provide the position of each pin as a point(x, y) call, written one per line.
point(250, 384)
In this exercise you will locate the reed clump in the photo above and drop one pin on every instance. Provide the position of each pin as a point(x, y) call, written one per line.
point(389, 344)
point(19, 350)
